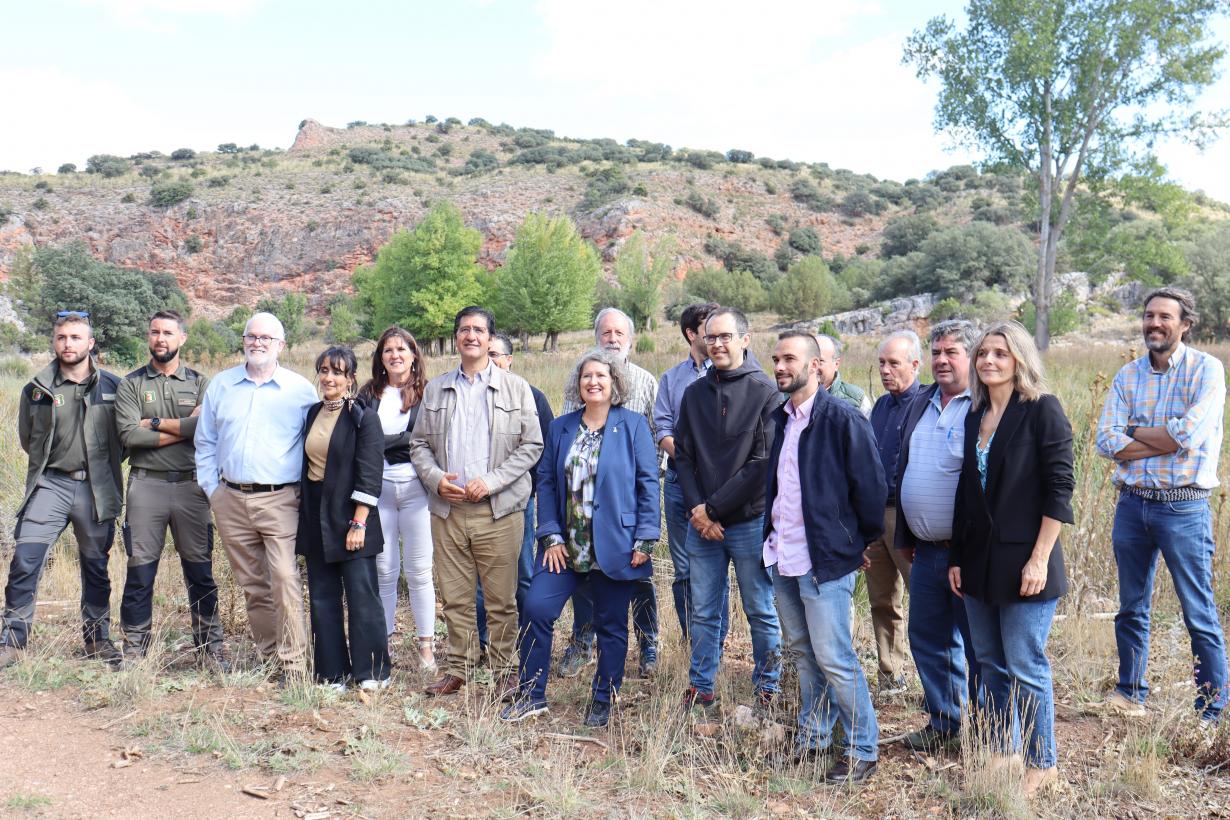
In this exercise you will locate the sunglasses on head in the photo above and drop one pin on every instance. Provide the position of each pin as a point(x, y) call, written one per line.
point(75, 314)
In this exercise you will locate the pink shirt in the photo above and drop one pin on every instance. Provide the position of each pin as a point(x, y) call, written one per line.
point(787, 543)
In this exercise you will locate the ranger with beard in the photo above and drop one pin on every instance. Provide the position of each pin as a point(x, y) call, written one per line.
point(156, 409)
point(66, 423)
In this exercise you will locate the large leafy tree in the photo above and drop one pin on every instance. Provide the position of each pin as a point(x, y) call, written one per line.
point(1070, 89)
point(547, 283)
point(639, 275)
point(421, 278)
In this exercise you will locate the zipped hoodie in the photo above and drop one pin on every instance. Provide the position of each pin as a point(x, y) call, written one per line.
point(722, 440)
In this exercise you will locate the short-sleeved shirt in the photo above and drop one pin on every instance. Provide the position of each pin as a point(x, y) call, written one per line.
point(928, 489)
point(68, 439)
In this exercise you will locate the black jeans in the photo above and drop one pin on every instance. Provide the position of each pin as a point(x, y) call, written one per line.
point(365, 656)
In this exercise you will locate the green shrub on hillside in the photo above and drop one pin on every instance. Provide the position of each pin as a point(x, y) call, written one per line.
point(180, 154)
point(605, 185)
point(1064, 317)
point(194, 244)
point(739, 156)
point(67, 168)
point(905, 233)
point(705, 206)
point(736, 288)
point(170, 192)
point(809, 289)
point(805, 240)
point(107, 165)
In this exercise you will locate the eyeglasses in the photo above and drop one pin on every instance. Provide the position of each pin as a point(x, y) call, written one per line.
point(500, 355)
point(472, 330)
point(721, 338)
point(74, 314)
point(249, 339)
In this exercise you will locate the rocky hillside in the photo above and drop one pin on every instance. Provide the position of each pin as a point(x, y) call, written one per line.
point(252, 221)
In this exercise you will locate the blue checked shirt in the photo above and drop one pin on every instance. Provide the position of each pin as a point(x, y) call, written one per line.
point(1189, 399)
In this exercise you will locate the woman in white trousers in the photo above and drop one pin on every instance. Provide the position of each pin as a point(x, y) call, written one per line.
point(395, 390)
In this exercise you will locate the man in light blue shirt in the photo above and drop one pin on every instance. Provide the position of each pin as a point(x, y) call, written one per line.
point(928, 468)
point(249, 459)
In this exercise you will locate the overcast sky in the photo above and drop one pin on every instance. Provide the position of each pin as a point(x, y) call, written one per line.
point(812, 80)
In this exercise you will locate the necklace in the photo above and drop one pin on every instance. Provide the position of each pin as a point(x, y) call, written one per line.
point(334, 405)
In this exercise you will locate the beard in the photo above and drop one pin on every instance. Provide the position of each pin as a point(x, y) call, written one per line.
point(69, 358)
point(163, 358)
point(1162, 345)
point(798, 382)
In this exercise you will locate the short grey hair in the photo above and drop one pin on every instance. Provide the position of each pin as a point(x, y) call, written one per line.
point(960, 330)
point(619, 373)
point(608, 310)
point(269, 317)
point(836, 343)
point(911, 338)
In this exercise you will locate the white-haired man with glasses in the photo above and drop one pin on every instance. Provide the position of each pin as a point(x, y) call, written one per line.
point(249, 459)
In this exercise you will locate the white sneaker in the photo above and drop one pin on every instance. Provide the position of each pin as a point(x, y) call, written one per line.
point(371, 685)
point(333, 687)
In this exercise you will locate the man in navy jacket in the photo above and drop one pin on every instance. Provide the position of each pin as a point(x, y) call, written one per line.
point(823, 505)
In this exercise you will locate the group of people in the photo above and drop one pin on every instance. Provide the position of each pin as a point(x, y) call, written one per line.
point(956, 490)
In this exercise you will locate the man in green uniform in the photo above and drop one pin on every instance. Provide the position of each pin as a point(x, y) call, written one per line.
point(830, 361)
point(66, 423)
point(156, 409)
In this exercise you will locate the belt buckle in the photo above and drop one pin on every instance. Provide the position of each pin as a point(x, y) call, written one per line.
point(247, 488)
point(172, 476)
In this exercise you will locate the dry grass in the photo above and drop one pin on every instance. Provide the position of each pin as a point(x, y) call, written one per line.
point(458, 758)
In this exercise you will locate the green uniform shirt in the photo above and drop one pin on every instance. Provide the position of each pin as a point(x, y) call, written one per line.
point(146, 394)
point(68, 440)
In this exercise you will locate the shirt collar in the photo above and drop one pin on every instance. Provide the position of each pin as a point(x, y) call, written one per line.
point(152, 373)
point(241, 375)
point(935, 397)
point(1175, 358)
point(908, 394)
point(803, 411)
point(482, 377)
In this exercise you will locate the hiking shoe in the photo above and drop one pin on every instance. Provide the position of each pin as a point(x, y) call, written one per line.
point(701, 705)
point(106, 652)
point(930, 739)
point(598, 715)
point(523, 709)
point(373, 685)
point(850, 772)
point(648, 667)
point(215, 659)
point(1116, 701)
point(576, 657)
point(134, 653)
point(888, 687)
point(9, 655)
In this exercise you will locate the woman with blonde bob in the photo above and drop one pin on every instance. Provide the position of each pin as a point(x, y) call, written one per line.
point(1013, 496)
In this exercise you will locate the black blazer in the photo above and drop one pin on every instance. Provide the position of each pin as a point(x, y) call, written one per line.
point(1029, 475)
point(354, 472)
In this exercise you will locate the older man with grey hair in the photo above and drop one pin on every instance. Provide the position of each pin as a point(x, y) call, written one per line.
point(249, 459)
point(888, 569)
point(928, 467)
point(614, 330)
point(830, 378)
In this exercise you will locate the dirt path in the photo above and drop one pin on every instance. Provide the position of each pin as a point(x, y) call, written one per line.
point(59, 763)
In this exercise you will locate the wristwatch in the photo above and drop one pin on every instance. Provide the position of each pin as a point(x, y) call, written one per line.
point(1130, 430)
point(154, 423)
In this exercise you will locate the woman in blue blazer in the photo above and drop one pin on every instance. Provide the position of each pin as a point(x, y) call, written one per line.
point(599, 514)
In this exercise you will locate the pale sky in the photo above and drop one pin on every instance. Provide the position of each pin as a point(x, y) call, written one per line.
point(811, 80)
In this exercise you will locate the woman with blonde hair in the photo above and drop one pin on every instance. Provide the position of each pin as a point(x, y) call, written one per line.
point(1013, 496)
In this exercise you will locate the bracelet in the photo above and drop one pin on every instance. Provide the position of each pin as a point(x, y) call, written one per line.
point(357, 525)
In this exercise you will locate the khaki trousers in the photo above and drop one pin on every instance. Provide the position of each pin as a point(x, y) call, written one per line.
point(887, 578)
point(471, 547)
point(259, 531)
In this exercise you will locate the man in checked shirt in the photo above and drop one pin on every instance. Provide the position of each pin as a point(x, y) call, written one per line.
point(1162, 424)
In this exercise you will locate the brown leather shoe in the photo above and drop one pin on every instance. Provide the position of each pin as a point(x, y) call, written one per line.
point(506, 687)
point(447, 685)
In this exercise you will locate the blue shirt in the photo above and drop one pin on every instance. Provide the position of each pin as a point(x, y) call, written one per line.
point(1188, 399)
point(928, 490)
point(887, 417)
point(670, 395)
point(252, 434)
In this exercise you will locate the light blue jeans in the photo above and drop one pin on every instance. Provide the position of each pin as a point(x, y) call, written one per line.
point(816, 627)
point(1010, 640)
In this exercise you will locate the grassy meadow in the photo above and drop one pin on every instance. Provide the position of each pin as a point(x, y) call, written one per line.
point(400, 753)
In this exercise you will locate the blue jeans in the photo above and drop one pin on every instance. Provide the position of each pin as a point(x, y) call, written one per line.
point(1010, 640)
point(709, 562)
point(676, 537)
point(939, 637)
point(549, 592)
point(1182, 531)
point(816, 627)
point(525, 574)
